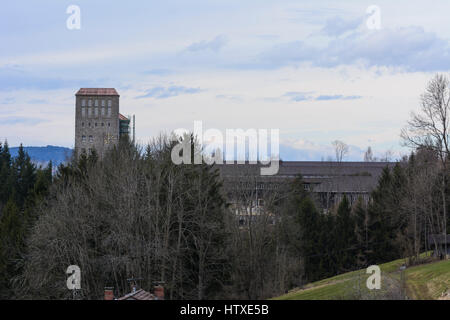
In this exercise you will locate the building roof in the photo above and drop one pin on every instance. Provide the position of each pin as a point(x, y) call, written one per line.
point(324, 175)
point(139, 295)
point(122, 117)
point(97, 92)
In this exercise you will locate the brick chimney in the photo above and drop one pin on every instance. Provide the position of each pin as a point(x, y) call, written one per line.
point(159, 292)
point(109, 293)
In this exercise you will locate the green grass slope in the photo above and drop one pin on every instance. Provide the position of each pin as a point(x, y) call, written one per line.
point(426, 281)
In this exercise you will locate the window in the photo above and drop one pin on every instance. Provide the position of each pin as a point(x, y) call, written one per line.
point(109, 124)
point(103, 124)
point(89, 124)
point(103, 103)
point(96, 112)
point(103, 112)
point(89, 112)
point(109, 103)
point(109, 112)
point(82, 124)
point(96, 124)
point(91, 139)
point(90, 103)
point(96, 103)
point(83, 138)
point(83, 103)
point(83, 112)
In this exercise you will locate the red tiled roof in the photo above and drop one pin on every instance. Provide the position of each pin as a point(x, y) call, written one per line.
point(97, 92)
point(122, 117)
point(138, 295)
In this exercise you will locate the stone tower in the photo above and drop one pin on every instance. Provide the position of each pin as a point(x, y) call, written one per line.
point(98, 123)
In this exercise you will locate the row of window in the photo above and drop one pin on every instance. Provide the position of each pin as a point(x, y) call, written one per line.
point(96, 103)
point(94, 112)
point(97, 124)
point(83, 150)
point(83, 139)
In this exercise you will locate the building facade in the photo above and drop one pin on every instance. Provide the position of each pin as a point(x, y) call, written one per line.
point(328, 182)
point(98, 122)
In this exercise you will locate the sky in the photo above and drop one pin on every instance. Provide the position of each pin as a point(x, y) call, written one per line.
point(318, 71)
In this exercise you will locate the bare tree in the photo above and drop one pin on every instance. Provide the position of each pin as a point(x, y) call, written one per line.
point(430, 129)
point(368, 155)
point(341, 150)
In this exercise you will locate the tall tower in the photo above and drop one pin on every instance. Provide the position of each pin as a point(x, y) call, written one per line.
point(98, 123)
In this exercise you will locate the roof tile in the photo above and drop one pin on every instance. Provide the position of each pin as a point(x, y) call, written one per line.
point(97, 92)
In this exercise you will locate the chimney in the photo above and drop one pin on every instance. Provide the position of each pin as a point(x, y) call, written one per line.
point(109, 293)
point(159, 292)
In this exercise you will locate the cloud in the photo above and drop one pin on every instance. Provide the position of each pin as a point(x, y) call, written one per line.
point(336, 97)
point(17, 79)
point(215, 45)
point(8, 100)
point(307, 96)
point(337, 26)
point(37, 101)
point(298, 96)
point(20, 120)
point(172, 91)
point(409, 48)
point(229, 97)
point(158, 72)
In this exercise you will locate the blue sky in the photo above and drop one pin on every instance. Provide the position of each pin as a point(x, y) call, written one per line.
point(314, 70)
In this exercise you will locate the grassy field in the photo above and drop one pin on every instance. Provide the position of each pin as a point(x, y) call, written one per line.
point(425, 281)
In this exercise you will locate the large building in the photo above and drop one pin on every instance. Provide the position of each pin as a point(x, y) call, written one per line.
point(327, 181)
point(98, 122)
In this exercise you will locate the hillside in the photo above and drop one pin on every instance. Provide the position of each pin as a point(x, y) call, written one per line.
point(424, 282)
point(42, 155)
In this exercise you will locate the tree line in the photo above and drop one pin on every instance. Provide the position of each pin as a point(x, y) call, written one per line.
point(23, 187)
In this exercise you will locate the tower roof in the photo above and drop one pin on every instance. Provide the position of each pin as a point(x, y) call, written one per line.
point(122, 117)
point(97, 92)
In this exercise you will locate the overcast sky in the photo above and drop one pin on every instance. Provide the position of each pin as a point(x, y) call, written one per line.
point(312, 69)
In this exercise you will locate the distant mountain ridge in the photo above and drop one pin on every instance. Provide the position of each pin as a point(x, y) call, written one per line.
point(42, 155)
